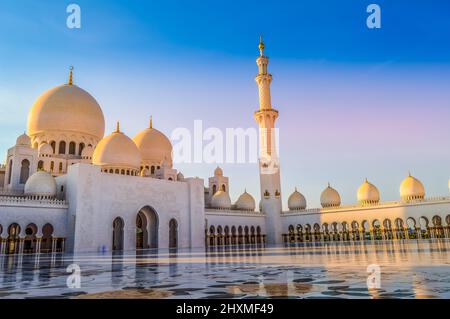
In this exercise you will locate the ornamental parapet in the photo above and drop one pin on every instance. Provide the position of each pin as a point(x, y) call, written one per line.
point(228, 211)
point(31, 201)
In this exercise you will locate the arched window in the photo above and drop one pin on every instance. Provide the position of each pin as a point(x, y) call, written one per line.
point(224, 188)
point(40, 165)
point(122, 172)
point(214, 189)
point(10, 171)
point(62, 147)
point(52, 166)
point(60, 167)
point(117, 171)
point(152, 171)
point(24, 171)
point(72, 148)
point(53, 145)
point(80, 149)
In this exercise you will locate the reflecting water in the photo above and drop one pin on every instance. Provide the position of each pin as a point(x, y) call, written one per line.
point(409, 269)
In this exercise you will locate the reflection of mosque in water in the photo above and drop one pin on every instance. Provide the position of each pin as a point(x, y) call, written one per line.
point(66, 187)
point(314, 269)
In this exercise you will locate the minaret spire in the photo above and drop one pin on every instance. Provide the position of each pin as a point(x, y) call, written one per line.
point(70, 75)
point(269, 168)
point(261, 46)
point(151, 121)
point(263, 78)
point(118, 127)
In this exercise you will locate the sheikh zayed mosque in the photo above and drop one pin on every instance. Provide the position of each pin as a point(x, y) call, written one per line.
point(65, 187)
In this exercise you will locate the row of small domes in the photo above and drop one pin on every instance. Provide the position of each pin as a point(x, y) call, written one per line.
point(410, 189)
point(117, 149)
point(222, 200)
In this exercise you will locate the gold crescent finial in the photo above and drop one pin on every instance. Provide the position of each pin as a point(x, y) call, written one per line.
point(151, 121)
point(118, 127)
point(71, 75)
point(261, 45)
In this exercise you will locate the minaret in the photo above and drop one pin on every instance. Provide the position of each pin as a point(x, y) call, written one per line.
point(269, 169)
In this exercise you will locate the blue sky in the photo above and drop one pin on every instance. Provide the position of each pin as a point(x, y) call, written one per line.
point(353, 102)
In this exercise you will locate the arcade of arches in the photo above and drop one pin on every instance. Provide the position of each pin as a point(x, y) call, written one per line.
point(30, 241)
point(386, 229)
point(226, 236)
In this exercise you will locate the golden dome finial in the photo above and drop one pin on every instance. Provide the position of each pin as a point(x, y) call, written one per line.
point(118, 127)
point(261, 45)
point(151, 121)
point(71, 75)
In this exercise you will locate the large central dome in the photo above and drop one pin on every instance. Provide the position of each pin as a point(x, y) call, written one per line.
point(66, 108)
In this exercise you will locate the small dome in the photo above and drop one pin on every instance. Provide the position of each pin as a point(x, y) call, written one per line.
point(41, 184)
point(296, 201)
point(330, 197)
point(45, 149)
point(117, 151)
point(218, 171)
point(221, 200)
point(23, 140)
point(411, 189)
point(245, 202)
point(180, 177)
point(368, 193)
point(88, 152)
point(154, 146)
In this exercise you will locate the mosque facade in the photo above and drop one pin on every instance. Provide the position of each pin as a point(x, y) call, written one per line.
point(66, 187)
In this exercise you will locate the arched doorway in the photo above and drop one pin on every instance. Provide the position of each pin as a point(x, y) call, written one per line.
point(29, 244)
point(117, 240)
point(47, 238)
point(146, 228)
point(173, 233)
point(13, 238)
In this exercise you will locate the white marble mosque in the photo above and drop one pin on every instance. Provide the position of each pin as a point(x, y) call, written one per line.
point(65, 187)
